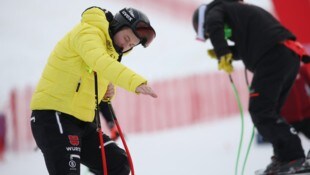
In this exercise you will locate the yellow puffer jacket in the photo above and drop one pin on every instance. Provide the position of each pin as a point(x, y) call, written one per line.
point(67, 83)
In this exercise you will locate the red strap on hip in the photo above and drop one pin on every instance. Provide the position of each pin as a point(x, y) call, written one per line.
point(296, 47)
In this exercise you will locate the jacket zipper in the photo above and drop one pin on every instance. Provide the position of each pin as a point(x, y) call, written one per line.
point(78, 85)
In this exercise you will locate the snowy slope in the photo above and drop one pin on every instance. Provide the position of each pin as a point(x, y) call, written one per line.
point(203, 149)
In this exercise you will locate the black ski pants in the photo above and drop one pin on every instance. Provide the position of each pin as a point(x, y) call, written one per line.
point(303, 127)
point(272, 81)
point(66, 142)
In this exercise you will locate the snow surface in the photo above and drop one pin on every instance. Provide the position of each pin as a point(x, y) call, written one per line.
point(202, 149)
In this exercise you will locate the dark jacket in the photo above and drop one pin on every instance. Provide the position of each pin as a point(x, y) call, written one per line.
point(254, 30)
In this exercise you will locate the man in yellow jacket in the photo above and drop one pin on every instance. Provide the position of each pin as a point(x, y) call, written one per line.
point(64, 104)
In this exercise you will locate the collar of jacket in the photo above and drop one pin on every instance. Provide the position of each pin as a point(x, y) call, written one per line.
point(95, 16)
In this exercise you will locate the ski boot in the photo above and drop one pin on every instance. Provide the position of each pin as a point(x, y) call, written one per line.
point(305, 166)
point(277, 167)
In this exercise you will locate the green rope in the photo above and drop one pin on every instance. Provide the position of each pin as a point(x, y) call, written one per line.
point(242, 131)
point(253, 132)
point(248, 150)
point(242, 123)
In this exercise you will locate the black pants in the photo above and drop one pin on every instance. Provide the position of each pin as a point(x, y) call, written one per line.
point(272, 81)
point(66, 142)
point(303, 127)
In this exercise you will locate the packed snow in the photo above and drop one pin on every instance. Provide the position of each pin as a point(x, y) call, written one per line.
point(201, 149)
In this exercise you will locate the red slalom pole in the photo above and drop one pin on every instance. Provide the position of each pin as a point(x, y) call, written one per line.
point(122, 138)
point(104, 162)
point(99, 130)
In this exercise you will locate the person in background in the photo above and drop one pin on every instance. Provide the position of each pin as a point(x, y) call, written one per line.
point(273, 55)
point(63, 104)
point(2, 135)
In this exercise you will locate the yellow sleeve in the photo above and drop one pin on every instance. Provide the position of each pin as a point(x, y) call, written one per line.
point(90, 45)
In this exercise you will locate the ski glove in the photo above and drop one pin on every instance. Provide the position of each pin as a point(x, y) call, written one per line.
point(212, 53)
point(225, 63)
